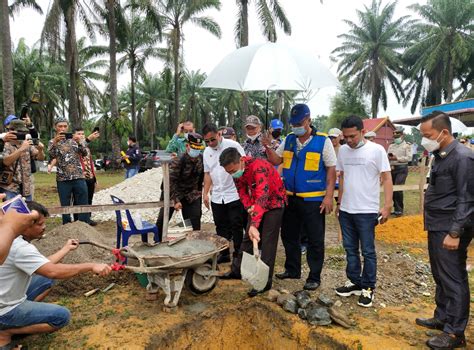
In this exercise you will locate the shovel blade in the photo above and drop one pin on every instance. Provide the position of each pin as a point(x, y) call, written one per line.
point(254, 271)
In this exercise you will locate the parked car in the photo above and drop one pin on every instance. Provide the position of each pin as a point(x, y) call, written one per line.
point(153, 160)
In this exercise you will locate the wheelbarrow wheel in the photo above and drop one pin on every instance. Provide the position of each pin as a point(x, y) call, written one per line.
point(198, 284)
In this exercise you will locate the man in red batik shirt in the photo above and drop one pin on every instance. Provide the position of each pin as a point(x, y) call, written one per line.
point(263, 195)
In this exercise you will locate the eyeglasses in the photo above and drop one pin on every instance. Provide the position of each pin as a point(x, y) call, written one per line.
point(210, 140)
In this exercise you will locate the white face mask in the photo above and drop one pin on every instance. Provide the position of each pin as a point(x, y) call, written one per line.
point(431, 145)
point(254, 137)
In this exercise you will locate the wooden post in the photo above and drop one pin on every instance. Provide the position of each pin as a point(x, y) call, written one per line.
point(166, 189)
point(422, 183)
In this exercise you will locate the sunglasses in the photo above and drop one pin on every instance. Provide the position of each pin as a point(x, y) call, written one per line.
point(210, 140)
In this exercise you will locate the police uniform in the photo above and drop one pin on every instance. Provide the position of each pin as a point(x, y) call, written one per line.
point(403, 152)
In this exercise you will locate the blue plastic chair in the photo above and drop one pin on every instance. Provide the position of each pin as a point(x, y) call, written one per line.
point(124, 234)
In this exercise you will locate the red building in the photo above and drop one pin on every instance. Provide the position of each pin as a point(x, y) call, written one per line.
point(383, 127)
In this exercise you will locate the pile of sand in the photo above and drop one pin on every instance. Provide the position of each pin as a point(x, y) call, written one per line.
point(55, 239)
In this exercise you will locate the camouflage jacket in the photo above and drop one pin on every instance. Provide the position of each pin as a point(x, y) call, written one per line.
point(186, 178)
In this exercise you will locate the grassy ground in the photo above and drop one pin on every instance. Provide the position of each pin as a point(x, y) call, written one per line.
point(46, 192)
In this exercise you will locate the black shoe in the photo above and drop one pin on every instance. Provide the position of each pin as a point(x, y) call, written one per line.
point(230, 276)
point(446, 341)
point(431, 323)
point(310, 285)
point(366, 298)
point(221, 259)
point(253, 292)
point(348, 289)
point(286, 275)
point(397, 213)
point(92, 223)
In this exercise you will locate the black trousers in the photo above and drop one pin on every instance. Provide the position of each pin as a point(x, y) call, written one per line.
point(452, 285)
point(399, 176)
point(90, 183)
point(228, 221)
point(302, 218)
point(191, 210)
point(269, 231)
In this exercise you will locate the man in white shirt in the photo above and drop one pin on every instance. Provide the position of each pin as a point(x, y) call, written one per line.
point(226, 206)
point(361, 164)
point(26, 278)
point(309, 175)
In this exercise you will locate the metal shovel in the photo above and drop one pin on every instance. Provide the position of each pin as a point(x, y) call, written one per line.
point(254, 270)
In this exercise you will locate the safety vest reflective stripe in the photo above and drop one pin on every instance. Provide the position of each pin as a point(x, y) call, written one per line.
point(307, 194)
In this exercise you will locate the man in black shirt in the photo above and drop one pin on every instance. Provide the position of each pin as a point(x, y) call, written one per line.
point(448, 214)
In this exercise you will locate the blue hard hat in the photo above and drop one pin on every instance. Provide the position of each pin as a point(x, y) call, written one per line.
point(276, 124)
point(9, 119)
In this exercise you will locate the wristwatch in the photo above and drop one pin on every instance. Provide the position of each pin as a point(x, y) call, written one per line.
point(454, 234)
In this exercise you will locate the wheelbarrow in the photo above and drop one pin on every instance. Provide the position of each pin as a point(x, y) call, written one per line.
point(191, 262)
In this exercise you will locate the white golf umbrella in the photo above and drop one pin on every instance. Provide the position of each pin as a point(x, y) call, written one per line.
point(457, 126)
point(270, 66)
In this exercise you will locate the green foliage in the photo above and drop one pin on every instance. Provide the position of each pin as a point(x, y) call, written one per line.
point(347, 101)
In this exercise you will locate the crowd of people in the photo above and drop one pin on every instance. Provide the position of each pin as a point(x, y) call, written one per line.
point(263, 189)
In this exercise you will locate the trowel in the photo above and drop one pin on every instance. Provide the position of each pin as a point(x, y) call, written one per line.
point(253, 269)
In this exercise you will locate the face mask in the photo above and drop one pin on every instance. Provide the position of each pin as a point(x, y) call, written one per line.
point(238, 174)
point(186, 135)
point(431, 145)
point(276, 134)
point(360, 144)
point(397, 141)
point(194, 153)
point(298, 130)
point(254, 137)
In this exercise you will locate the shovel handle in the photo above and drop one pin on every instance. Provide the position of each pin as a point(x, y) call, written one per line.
point(255, 248)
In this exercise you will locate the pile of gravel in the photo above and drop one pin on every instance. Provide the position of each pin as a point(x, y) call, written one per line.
point(143, 187)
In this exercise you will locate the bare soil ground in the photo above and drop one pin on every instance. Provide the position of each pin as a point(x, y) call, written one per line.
point(226, 318)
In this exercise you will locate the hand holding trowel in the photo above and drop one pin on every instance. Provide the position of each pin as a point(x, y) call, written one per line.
point(253, 269)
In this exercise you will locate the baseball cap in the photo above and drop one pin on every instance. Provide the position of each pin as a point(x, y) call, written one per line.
point(9, 119)
point(18, 125)
point(399, 130)
point(276, 124)
point(252, 120)
point(298, 113)
point(228, 132)
point(370, 134)
point(195, 141)
point(334, 132)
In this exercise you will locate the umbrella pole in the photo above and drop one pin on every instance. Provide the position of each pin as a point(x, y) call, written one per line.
point(266, 109)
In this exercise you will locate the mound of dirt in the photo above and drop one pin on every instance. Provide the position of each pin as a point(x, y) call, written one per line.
point(55, 239)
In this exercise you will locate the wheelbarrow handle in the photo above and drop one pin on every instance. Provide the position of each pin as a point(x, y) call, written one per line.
point(100, 245)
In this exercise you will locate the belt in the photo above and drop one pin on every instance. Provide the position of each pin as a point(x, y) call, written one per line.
point(400, 165)
point(307, 194)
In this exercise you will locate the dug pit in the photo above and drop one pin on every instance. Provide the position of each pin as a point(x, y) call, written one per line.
point(252, 325)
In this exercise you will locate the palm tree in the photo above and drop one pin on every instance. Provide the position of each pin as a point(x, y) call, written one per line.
point(442, 43)
point(137, 38)
point(86, 11)
point(369, 55)
point(7, 61)
point(196, 106)
point(173, 15)
point(270, 14)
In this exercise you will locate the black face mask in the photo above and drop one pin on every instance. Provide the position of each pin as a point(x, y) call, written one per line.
point(276, 134)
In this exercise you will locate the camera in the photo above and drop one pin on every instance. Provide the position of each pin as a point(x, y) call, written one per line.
point(67, 135)
point(96, 129)
point(35, 142)
point(21, 136)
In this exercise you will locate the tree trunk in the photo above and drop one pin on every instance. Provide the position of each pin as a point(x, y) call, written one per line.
point(113, 81)
point(449, 88)
point(7, 62)
point(176, 49)
point(71, 64)
point(132, 96)
point(244, 41)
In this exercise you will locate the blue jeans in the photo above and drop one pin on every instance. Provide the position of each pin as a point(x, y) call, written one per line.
point(131, 172)
point(78, 189)
point(359, 229)
point(30, 312)
point(11, 195)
